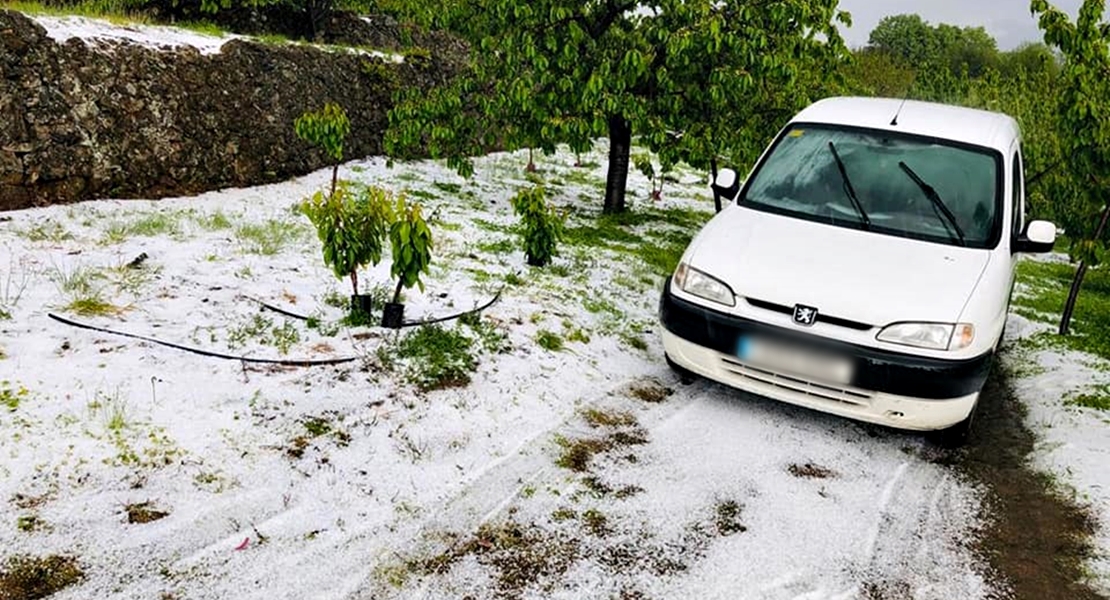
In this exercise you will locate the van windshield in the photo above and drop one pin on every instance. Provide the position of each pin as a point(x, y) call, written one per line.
point(890, 175)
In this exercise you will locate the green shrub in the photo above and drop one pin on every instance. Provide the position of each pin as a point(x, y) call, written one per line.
point(351, 226)
point(438, 357)
point(543, 228)
point(412, 247)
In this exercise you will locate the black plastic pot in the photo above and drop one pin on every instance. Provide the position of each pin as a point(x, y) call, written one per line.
point(393, 315)
point(535, 262)
point(362, 303)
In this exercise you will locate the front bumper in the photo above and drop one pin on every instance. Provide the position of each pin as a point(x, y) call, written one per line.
point(889, 388)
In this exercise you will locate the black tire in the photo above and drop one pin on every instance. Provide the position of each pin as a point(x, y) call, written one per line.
point(957, 436)
point(685, 377)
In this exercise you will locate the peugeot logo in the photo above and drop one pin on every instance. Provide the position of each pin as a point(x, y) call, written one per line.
point(805, 315)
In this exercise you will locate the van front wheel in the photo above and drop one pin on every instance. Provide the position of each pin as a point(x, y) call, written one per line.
point(957, 435)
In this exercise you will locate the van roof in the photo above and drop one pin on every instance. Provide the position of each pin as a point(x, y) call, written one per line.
point(968, 125)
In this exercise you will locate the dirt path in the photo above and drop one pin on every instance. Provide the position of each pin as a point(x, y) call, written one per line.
point(1037, 541)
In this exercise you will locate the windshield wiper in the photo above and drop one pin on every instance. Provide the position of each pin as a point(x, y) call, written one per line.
point(934, 197)
point(849, 189)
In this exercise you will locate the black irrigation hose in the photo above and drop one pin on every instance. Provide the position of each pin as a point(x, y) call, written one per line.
point(479, 309)
point(271, 361)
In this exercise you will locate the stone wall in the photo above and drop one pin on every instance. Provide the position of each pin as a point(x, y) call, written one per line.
point(127, 121)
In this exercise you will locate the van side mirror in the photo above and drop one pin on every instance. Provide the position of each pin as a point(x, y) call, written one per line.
point(1039, 237)
point(727, 184)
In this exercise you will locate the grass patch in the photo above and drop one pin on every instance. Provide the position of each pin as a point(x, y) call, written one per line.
point(727, 518)
point(316, 427)
point(520, 556)
point(492, 338)
point(84, 291)
point(577, 454)
point(143, 512)
point(650, 391)
point(599, 418)
point(810, 471)
point(214, 221)
point(504, 246)
point(154, 224)
point(549, 340)
point(30, 523)
point(33, 577)
point(1098, 398)
point(202, 27)
point(263, 330)
point(267, 238)
point(1044, 292)
point(437, 357)
point(11, 396)
point(47, 231)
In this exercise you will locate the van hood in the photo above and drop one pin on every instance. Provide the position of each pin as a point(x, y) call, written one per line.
point(845, 273)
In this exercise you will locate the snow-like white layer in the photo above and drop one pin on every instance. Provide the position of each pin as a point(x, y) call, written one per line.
point(111, 421)
point(1074, 442)
point(62, 29)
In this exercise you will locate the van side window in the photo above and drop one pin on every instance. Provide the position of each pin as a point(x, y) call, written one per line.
point(1018, 222)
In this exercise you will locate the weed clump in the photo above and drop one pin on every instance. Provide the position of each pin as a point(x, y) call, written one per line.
point(542, 226)
point(33, 578)
point(810, 471)
point(520, 555)
point(438, 357)
point(650, 391)
point(143, 512)
point(549, 340)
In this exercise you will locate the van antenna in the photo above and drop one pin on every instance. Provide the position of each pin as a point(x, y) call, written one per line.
point(894, 121)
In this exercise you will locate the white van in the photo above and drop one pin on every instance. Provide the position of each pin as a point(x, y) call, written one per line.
point(865, 266)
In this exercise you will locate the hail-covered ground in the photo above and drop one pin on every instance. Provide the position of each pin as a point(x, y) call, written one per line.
point(539, 449)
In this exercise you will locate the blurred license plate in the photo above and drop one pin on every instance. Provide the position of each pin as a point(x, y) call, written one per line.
point(791, 360)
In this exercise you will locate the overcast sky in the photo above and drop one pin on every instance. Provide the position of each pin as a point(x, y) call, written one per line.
point(1009, 21)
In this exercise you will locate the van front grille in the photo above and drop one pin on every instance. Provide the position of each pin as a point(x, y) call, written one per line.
point(821, 317)
point(834, 393)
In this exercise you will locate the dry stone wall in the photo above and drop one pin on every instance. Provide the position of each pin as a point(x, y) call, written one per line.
point(129, 121)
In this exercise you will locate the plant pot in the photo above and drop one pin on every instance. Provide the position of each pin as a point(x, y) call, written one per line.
point(393, 315)
point(535, 262)
point(362, 303)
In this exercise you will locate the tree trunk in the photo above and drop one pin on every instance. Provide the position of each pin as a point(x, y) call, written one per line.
point(620, 149)
point(531, 168)
point(397, 291)
point(354, 281)
point(713, 173)
point(1077, 282)
point(334, 179)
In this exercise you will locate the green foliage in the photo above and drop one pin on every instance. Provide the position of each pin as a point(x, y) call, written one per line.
point(411, 242)
point(947, 47)
point(543, 227)
point(492, 338)
point(263, 331)
point(12, 395)
point(1044, 289)
point(438, 357)
point(642, 162)
point(564, 71)
point(351, 224)
point(549, 340)
point(1083, 108)
point(326, 128)
point(1097, 398)
point(267, 238)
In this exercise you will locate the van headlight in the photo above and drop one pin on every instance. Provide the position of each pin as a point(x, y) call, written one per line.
point(693, 281)
point(933, 336)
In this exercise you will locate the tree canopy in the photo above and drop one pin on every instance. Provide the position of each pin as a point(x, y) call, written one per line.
point(692, 78)
point(1083, 106)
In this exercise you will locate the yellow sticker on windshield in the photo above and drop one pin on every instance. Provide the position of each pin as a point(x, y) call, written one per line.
point(797, 133)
